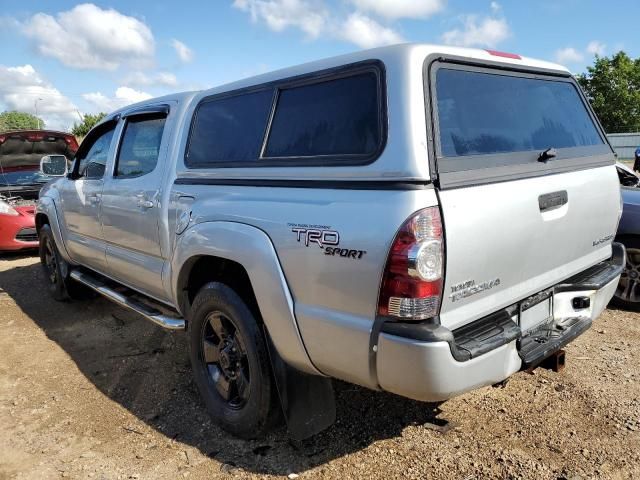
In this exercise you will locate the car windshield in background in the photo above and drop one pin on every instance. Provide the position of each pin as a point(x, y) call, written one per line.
point(23, 178)
point(486, 114)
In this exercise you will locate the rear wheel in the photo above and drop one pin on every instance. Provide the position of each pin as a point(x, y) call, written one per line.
point(56, 270)
point(628, 292)
point(230, 362)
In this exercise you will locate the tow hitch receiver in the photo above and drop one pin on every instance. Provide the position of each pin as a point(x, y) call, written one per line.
point(555, 362)
point(543, 346)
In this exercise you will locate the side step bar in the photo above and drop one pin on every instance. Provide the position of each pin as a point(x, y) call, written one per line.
point(148, 312)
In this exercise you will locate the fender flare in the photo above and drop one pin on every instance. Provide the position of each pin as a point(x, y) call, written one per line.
point(47, 206)
point(253, 249)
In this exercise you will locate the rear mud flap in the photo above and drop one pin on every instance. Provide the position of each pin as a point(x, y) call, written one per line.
point(308, 401)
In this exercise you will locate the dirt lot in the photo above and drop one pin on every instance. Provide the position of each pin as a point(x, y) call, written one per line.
point(88, 390)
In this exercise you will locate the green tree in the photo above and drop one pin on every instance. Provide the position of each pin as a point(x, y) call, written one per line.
point(88, 122)
point(19, 121)
point(612, 85)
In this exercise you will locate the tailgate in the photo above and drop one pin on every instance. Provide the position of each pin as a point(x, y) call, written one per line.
point(528, 190)
point(501, 247)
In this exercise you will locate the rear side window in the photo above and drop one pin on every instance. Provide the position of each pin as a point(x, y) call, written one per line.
point(487, 114)
point(325, 118)
point(229, 129)
point(140, 146)
point(336, 117)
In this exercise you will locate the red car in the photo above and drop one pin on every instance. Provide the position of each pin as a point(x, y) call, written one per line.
point(21, 180)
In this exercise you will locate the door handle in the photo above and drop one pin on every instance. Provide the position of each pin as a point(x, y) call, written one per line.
point(144, 202)
point(553, 200)
point(94, 198)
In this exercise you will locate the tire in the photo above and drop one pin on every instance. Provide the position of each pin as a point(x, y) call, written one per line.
point(230, 362)
point(56, 270)
point(627, 294)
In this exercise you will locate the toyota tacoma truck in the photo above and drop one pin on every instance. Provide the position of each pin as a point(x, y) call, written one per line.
point(415, 219)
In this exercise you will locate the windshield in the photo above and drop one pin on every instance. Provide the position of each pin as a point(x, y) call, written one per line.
point(23, 177)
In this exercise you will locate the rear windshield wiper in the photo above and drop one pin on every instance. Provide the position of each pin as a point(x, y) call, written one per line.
point(547, 154)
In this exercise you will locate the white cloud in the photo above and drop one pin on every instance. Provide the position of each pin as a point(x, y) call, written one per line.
point(596, 48)
point(185, 54)
point(123, 96)
point(89, 37)
point(401, 8)
point(495, 7)
point(310, 16)
point(313, 19)
point(366, 32)
point(22, 87)
point(478, 32)
point(568, 55)
point(158, 79)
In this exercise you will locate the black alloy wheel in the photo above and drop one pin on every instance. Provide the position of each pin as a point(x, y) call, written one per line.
point(57, 271)
point(52, 265)
point(230, 362)
point(50, 261)
point(225, 355)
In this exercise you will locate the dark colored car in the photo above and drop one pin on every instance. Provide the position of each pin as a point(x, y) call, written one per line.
point(628, 293)
point(21, 180)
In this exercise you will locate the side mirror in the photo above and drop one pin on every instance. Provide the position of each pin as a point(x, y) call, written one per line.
point(54, 165)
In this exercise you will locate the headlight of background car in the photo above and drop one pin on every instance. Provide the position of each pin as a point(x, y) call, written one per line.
point(6, 209)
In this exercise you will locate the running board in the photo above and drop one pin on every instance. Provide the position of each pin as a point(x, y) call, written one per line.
point(148, 312)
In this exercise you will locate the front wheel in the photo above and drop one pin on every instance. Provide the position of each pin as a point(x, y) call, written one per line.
point(627, 294)
point(56, 270)
point(230, 362)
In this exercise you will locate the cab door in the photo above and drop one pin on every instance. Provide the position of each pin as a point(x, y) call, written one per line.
point(81, 198)
point(131, 202)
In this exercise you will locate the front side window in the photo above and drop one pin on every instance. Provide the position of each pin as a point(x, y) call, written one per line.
point(93, 163)
point(491, 113)
point(140, 146)
point(331, 118)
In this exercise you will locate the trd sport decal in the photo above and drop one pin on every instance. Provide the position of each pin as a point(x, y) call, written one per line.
point(326, 238)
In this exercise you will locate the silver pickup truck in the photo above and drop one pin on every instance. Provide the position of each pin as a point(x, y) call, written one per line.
point(417, 219)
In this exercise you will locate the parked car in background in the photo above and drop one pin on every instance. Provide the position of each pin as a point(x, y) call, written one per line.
point(627, 177)
point(323, 221)
point(628, 292)
point(21, 178)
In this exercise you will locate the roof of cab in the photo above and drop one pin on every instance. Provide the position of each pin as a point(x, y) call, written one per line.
point(174, 97)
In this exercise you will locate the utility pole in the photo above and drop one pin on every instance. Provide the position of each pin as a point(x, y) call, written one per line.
point(36, 107)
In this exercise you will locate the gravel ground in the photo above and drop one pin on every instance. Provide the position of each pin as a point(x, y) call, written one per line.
point(88, 390)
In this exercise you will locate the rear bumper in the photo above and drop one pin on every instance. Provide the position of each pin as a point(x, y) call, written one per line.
point(431, 363)
point(17, 232)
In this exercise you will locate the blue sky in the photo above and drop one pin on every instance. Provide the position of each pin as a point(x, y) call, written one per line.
point(67, 58)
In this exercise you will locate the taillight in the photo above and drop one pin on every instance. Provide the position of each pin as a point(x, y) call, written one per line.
point(412, 282)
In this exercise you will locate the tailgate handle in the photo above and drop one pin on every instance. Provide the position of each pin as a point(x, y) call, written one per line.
point(550, 201)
